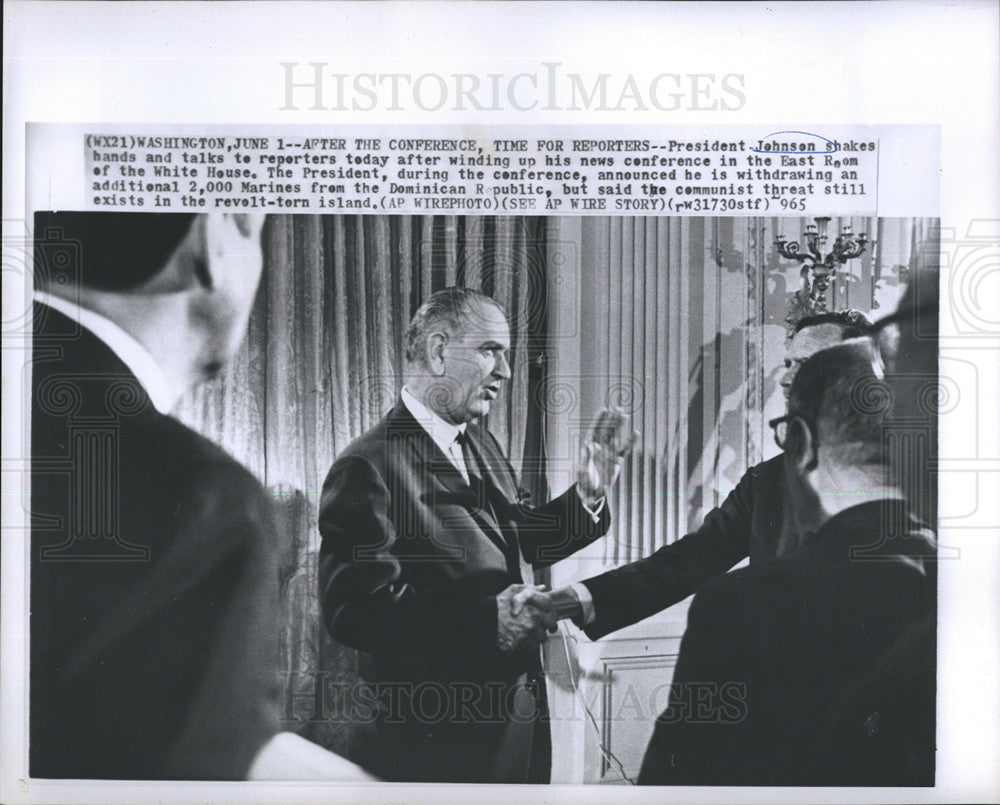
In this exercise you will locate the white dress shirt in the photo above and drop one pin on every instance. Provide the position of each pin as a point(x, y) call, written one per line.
point(444, 434)
point(586, 601)
point(162, 391)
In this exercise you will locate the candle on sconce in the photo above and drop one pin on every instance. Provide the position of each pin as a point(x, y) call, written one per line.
point(821, 269)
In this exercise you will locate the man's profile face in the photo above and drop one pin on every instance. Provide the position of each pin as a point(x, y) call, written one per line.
point(475, 364)
point(909, 350)
point(911, 368)
point(235, 258)
point(806, 343)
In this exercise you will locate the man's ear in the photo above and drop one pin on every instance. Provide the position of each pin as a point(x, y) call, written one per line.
point(436, 343)
point(227, 241)
point(801, 446)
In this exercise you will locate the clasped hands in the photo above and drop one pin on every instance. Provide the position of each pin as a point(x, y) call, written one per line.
point(526, 613)
point(525, 616)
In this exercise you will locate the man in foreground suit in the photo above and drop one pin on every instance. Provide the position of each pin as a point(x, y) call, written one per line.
point(797, 633)
point(907, 340)
point(155, 605)
point(752, 521)
point(894, 702)
point(425, 533)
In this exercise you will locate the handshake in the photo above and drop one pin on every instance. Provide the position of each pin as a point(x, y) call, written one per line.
point(526, 613)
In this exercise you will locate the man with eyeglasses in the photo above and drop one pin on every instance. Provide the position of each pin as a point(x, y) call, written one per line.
point(801, 635)
point(750, 522)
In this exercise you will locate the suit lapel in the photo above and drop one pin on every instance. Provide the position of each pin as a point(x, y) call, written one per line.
point(501, 492)
point(401, 424)
point(496, 473)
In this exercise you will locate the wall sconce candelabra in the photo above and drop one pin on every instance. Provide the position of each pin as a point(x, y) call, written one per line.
point(819, 267)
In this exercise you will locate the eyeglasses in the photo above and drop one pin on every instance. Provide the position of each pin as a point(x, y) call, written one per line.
point(780, 427)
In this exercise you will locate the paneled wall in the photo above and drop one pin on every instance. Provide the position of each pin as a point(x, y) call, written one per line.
point(682, 322)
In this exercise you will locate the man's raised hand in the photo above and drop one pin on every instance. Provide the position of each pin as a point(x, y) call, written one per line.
point(603, 453)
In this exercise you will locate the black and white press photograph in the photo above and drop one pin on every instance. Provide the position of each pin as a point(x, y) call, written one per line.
point(485, 499)
point(500, 402)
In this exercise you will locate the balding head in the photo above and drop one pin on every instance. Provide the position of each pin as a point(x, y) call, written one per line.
point(457, 350)
point(823, 330)
point(838, 392)
point(449, 310)
point(834, 454)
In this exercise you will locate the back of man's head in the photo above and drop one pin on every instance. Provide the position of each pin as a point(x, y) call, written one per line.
point(115, 252)
point(840, 397)
point(181, 285)
point(449, 309)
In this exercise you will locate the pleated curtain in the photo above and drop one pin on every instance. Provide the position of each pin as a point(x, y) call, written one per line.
point(323, 362)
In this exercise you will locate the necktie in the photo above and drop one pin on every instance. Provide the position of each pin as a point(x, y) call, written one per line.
point(482, 488)
point(472, 466)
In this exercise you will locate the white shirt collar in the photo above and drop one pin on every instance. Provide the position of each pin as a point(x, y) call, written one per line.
point(163, 393)
point(443, 433)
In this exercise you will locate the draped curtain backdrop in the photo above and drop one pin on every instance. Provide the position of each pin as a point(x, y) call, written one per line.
point(323, 362)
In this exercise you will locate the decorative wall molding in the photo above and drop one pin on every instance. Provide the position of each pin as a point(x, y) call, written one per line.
point(615, 670)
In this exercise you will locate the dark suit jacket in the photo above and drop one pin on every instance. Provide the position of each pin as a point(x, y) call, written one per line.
point(750, 522)
point(410, 564)
point(154, 581)
point(758, 696)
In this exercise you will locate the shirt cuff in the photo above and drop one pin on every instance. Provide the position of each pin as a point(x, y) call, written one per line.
point(586, 600)
point(595, 510)
point(288, 756)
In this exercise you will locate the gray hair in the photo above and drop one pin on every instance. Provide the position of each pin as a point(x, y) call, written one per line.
point(853, 323)
point(449, 308)
point(838, 392)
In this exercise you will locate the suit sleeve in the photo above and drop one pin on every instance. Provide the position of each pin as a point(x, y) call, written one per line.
point(365, 602)
point(630, 593)
point(559, 528)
